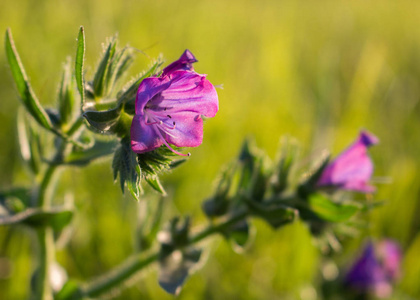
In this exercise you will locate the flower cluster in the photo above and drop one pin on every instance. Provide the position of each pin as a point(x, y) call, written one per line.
point(376, 269)
point(169, 107)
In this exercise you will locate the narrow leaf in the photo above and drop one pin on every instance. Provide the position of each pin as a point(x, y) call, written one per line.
point(35, 217)
point(100, 79)
point(130, 92)
point(102, 120)
point(66, 99)
point(84, 157)
point(80, 57)
point(25, 91)
point(154, 182)
point(329, 210)
point(29, 143)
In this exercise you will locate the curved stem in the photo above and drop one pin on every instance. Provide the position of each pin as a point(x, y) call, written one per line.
point(138, 262)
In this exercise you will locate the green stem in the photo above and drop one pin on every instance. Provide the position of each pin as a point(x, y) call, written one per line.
point(133, 265)
point(46, 256)
point(45, 235)
point(44, 194)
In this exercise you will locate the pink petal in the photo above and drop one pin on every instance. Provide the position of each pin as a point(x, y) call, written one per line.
point(188, 91)
point(149, 88)
point(143, 137)
point(353, 168)
point(188, 131)
point(183, 63)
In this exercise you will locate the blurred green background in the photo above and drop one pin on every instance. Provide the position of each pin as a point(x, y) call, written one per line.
point(315, 70)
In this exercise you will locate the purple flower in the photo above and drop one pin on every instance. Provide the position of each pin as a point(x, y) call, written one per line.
point(353, 168)
point(169, 108)
point(376, 269)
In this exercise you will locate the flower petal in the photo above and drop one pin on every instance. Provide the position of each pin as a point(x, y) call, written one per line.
point(353, 168)
point(143, 137)
point(183, 63)
point(188, 130)
point(149, 88)
point(188, 91)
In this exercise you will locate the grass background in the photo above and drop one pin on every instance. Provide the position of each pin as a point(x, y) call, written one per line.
point(315, 70)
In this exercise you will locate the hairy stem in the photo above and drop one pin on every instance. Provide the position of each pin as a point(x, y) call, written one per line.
point(45, 235)
point(136, 263)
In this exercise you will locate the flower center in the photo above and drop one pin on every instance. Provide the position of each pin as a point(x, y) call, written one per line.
point(160, 124)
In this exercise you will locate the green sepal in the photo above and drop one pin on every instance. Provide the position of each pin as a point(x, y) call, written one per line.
point(156, 161)
point(26, 93)
point(125, 164)
point(155, 184)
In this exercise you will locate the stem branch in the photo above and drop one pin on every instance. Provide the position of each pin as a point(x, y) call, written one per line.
point(136, 263)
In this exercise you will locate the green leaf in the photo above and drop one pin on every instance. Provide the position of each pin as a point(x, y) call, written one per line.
point(156, 161)
point(119, 64)
point(286, 155)
point(83, 157)
point(154, 182)
point(100, 78)
point(66, 98)
point(36, 217)
point(125, 164)
point(26, 93)
point(329, 210)
point(103, 121)
point(311, 178)
point(254, 174)
point(80, 57)
point(70, 290)
point(29, 143)
point(130, 91)
point(176, 267)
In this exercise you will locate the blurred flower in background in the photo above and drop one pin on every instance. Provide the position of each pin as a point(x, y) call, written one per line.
point(353, 168)
point(376, 270)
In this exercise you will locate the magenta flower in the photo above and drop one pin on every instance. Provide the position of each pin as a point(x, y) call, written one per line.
point(353, 168)
point(376, 269)
point(169, 108)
